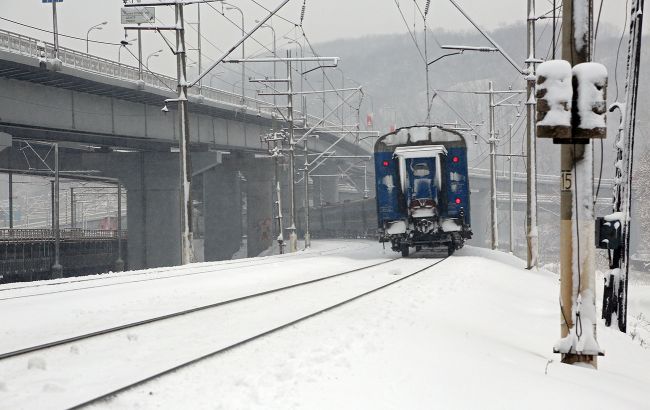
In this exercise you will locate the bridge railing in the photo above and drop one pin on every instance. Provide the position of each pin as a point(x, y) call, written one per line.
point(29, 46)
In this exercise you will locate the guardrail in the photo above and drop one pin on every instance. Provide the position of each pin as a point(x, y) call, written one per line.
point(66, 234)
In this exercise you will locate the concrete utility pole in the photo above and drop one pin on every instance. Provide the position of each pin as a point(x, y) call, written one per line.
point(185, 191)
point(187, 252)
point(531, 146)
point(577, 225)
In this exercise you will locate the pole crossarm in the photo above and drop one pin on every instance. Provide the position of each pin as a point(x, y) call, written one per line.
point(470, 48)
point(268, 80)
point(311, 92)
point(154, 28)
point(171, 3)
point(335, 60)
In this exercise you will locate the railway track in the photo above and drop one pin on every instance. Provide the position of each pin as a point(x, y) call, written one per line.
point(243, 337)
point(252, 338)
point(193, 270)
point(138, 323)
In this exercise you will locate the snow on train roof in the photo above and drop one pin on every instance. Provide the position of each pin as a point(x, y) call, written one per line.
point(411, 135)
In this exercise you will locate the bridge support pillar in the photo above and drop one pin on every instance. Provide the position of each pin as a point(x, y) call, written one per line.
point(259, 178)
point(153, 212)
point(221, 212)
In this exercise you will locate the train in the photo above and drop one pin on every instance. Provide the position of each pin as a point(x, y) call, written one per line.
point(422, 186)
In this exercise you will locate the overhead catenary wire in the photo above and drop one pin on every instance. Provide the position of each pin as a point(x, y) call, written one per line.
point(417, 46)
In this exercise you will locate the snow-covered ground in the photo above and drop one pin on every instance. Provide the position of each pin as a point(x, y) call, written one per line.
point(476, 331)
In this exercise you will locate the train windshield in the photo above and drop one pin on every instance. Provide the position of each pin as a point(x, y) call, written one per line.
point(421, 170)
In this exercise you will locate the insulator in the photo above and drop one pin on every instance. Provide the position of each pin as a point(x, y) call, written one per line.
point(426, 8)
point(302, 12)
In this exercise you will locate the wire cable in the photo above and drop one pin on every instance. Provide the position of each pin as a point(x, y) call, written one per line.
point(410, 32)
point(59, 34)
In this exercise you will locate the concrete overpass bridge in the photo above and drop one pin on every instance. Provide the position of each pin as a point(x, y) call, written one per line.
point(107, 120)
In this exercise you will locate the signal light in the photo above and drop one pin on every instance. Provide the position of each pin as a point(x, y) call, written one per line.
point(386, 163)
point(458, 201)
point(455, 160)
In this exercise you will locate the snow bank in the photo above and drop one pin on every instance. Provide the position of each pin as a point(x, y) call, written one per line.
point(477, 334)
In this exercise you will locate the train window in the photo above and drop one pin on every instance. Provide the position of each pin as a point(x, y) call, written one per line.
point(421, 170)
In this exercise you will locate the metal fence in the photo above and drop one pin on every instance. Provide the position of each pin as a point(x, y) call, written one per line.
point(65, 234)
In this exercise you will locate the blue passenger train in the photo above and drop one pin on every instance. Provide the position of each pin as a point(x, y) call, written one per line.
point(423, 196)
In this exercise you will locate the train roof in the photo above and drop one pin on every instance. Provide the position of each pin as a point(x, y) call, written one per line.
point(419, 135)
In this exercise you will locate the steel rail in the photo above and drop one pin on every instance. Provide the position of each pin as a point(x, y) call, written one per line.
point(255, 337)
point(207, 269)
point(114, 329)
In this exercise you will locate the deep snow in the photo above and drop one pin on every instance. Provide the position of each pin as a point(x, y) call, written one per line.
point(477, 331)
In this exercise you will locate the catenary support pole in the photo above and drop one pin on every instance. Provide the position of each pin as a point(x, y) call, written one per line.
point(72, 209)
point(140, 79)
point(57, 270)
point(55, 30)
point(577, 289)
point(119, 263)
point(278, 201)
point(532, 253)
point(11, 200)
point(293, 237)
point(512, 203)
point(307, 234)
point(494, 228)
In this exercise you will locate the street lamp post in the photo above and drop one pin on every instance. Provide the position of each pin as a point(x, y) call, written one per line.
point(123, 43)
point(154, 54)
point(243, 50)
point(95, 27)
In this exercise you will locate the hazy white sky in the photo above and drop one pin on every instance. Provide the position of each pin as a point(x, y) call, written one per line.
point(324, 20)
